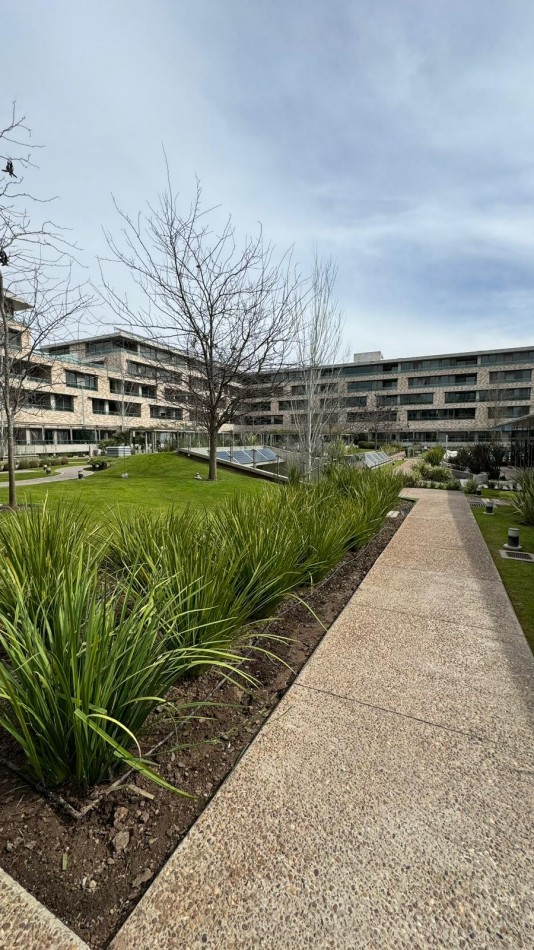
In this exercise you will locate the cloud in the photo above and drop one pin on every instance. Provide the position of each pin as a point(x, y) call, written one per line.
point(396, 135)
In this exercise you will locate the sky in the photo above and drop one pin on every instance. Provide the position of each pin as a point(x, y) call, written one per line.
point(396, 136)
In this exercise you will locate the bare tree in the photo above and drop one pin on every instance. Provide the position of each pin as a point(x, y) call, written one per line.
point(316, 403)
point(227, 308)
point(379, 416)
point(35, 265)
point(497, 399)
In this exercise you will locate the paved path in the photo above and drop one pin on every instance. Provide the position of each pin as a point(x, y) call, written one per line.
point(64, 475)
point(388, 801)
point(408, 465)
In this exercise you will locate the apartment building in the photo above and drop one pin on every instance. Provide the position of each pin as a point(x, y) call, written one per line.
point(450, 398)
point(78, 393)
point(81, 392)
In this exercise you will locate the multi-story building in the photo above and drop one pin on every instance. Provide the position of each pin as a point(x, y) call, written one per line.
point(81, 392)
point(449, 398)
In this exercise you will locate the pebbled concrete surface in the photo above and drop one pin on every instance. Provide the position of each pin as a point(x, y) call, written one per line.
point(26, 925)
point(388, 802)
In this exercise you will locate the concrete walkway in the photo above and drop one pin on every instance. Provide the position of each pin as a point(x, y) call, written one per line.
point(388, 801)
point(64, 475)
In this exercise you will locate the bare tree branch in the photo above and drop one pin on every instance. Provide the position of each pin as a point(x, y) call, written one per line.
point(227, 307)
point(35, 265)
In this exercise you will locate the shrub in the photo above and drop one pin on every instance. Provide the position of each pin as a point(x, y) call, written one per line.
point(434, 456)
point(433, 473)
point(524, 499)
point(92, 637)
point(391, 448)
point(37, 549)
point(411, 480)
point(293, 474)
point(78, 681)
point(482, 457)
point(470, 487)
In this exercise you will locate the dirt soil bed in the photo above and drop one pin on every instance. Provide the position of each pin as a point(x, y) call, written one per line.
point(92, 871)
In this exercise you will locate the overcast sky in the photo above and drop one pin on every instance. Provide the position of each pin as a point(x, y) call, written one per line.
point(396, 135)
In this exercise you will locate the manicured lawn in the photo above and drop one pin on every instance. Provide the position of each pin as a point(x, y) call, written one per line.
point(517, 576)
point(22, 476)
point(154, 483)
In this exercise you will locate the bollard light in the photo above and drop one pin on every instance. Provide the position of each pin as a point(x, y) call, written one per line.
point(489, 506)
point(513, 540)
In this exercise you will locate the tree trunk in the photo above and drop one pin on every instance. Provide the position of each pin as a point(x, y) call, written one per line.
point(213, 431)
point(12, 502)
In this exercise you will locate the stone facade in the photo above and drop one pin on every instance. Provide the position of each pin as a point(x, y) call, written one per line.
point(449, 398)
point(94, 389)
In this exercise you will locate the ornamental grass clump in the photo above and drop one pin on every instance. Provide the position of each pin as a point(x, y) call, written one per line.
point(523, 502)
point(79, 678)
point(38, 546)
point(219, 570)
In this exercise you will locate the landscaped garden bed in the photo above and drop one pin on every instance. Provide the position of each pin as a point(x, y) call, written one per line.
point(91, 870)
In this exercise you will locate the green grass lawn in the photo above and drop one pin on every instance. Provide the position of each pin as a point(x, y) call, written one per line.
point(517, 577)
point(23, 476)
point(154, 483)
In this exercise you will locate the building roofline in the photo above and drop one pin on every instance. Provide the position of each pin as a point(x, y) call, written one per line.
point(436, 356)
point(17, 303)
point(117, 332)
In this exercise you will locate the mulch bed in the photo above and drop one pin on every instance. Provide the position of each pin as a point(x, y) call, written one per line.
point(91, 871)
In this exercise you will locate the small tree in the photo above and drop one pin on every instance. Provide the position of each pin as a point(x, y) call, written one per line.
point(34, 265)
point(496, 410)
point(229, 309)
point(317, 405)
point(379, 416)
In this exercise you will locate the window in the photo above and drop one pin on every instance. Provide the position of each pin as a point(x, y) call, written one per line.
point(298, 390)
point(80, 380)
point(507, 412)
point(415, 414)
point(511, 375)
point(33, 372)
point(53, 401)
point(262, 406)
point(411, 399)
point(63, 403)
point(516, 356)
point(166, 412)
point(359, 401)
point(62, 350)
point(111, 407)
point(98, 347)
point(14, 339)
point(148, 392)
point(368, 385)
point(466, 396)
point(175, 395)
point(141, 369)
point(439, 362)
point(263, 420)
point(497, 395)
point(451, 379)
point(285, 405)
